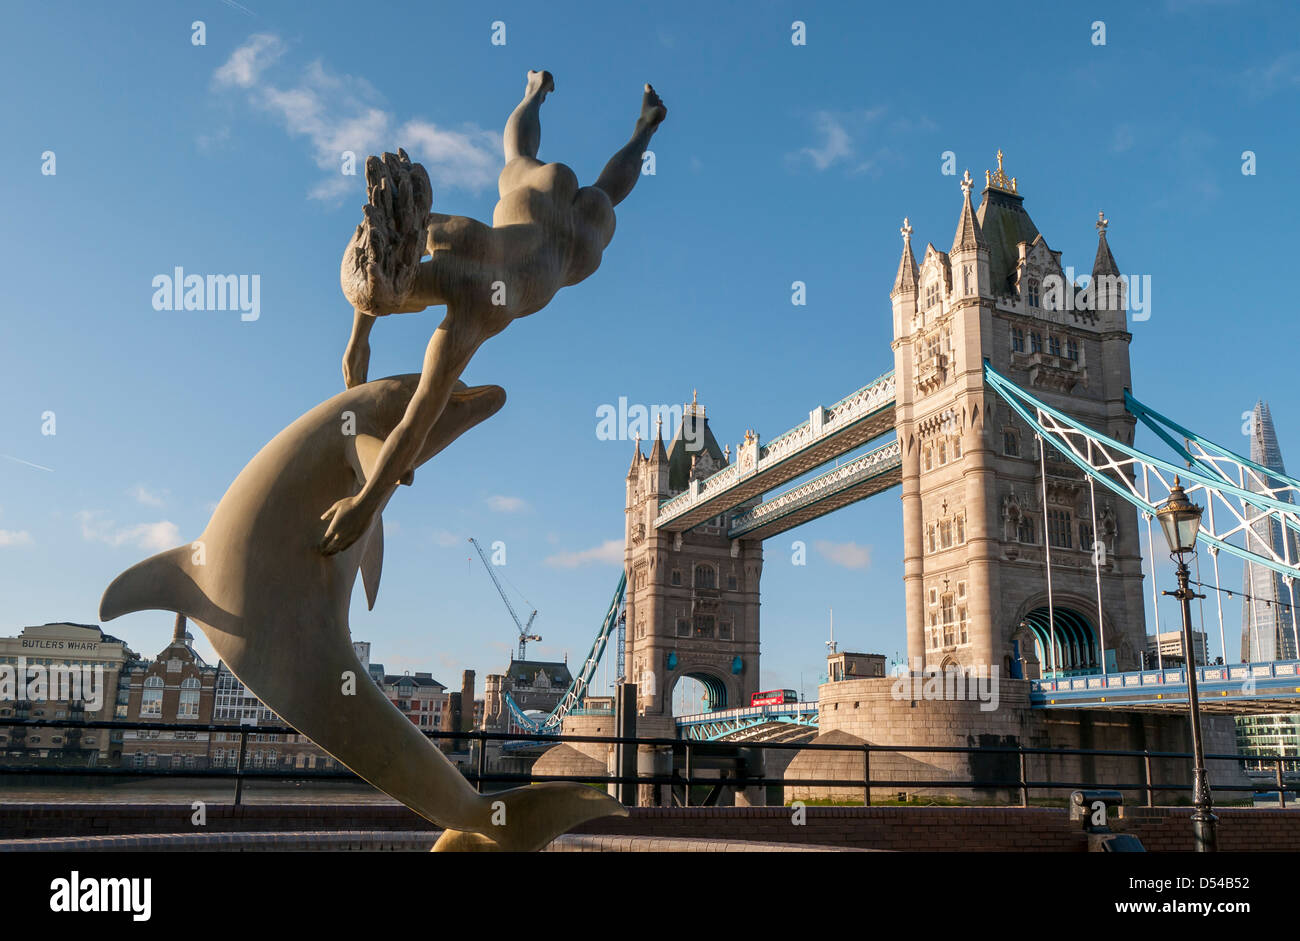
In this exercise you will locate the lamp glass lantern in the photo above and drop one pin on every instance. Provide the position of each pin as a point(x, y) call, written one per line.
point(1180, 520)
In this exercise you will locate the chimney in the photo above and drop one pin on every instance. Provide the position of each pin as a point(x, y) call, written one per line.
point(466, 701)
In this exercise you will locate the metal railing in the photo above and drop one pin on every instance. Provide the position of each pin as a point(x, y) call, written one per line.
point(691, 752)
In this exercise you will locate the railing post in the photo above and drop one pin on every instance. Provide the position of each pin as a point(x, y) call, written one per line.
point(1281, 784)
point(480, 767)
point(1146, 778)
point(866, 775)
point(1024, 776)
point(239, 765)
point(686, 801)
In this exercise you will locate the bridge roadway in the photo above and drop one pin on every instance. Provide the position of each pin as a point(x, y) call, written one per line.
point(1235, 689)
point(827, 434)
point(777, 723)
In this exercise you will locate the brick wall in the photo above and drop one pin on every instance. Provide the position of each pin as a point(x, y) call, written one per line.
point(926, 829)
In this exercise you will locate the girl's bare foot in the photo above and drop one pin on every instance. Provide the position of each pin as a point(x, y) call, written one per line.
point(653, 110)
point(539, 83)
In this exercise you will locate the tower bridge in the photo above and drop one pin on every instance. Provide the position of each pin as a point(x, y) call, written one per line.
point(1008, 424)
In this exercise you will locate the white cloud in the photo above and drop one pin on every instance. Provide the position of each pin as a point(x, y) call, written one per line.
point(836, 139)
point(153, 536)
point(848, 554)
point(148, 497)
point(445, 539)
point(247, 63)
point(337, 112)
point(506, 504)
point(835, 145)
point(610, 551)
point(12, 537)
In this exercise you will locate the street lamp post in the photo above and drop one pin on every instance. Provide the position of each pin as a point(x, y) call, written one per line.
point(1180, 519)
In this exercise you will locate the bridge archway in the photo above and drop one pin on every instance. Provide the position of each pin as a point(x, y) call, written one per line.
point(703, 692)
point(1077, 649)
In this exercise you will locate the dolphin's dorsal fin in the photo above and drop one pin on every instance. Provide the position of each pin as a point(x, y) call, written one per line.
point(160, 583)
point(372, 561)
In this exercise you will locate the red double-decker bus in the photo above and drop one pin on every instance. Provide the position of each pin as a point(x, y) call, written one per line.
point(773, 697)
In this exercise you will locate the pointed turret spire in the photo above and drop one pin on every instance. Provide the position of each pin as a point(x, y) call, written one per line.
point(1104, 263)
point(908, 272)
point(637, 457)
point(968, 237)
point(658, 454)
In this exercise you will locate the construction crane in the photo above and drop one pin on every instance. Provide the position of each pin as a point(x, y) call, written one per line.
point(524, 636)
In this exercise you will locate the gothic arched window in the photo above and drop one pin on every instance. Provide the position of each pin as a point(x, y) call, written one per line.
point(705, 577)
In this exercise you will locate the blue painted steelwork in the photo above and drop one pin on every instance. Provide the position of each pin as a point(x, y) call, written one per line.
point(712, 726)
point(1205, 453)
point(577, 691)
point(1076, 642)
point(1220, 687)
point(1119, 467)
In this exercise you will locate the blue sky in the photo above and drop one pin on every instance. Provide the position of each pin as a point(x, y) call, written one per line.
point(777, 163)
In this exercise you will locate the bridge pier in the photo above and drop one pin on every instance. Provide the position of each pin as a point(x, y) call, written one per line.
point(883, 712)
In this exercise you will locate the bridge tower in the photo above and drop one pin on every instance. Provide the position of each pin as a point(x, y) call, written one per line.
point(979, 515)
point(692, 597)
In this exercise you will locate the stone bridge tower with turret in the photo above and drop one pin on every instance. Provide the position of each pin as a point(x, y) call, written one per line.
point(982, 506)
point(692, 597)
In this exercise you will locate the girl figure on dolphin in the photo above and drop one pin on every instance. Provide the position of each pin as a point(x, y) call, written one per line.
point(546, 233)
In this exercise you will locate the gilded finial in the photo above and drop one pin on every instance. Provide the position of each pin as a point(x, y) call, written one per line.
point(1102, 222)
point(998, 179)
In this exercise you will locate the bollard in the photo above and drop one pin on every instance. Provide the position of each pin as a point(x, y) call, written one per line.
point(1090, 808)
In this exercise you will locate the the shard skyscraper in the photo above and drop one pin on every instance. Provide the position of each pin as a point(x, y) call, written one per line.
point(1268, 631)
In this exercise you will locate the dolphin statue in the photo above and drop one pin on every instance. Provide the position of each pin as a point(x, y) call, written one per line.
point(276, 611)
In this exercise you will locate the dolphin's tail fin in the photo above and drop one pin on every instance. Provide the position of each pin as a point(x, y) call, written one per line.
point(530, 817)
point(160, 583)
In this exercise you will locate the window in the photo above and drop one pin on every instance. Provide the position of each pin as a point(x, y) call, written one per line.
point(943, 454)
point(1086, 538)
point(151, 701)
point(1010, 444)
point(929, 458)
point(731, 583)
point(964, 623)
point(724, 630)
point(1035, 342)
point(1025, 532)
point(1060, 524)
point(188, 708)
point(949, 622)
point(961, 529)
point(1054, 345)
point(934, 596)
point(705, 577)
point(704, 625)
point(956, 448)
point(1072, 350)
point(931, 294)
point(1033, 292)
point(945, 533)
point(930, 536)
point(683, 627)
point(677, 577)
